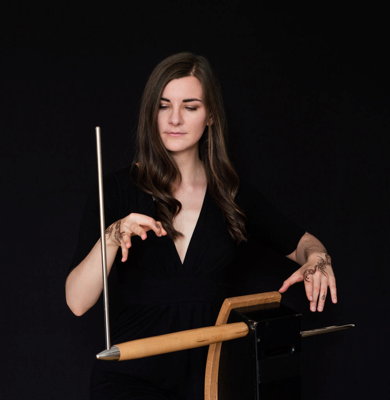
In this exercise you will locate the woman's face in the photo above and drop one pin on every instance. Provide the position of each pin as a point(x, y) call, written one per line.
point(182, 116)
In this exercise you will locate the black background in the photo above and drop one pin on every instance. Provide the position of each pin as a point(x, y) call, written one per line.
point(307, 102)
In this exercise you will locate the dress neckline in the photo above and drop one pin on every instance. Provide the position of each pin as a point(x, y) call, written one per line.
point(190, 243)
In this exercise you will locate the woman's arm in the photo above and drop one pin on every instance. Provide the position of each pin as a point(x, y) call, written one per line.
point(84, 284)
point(316, 271)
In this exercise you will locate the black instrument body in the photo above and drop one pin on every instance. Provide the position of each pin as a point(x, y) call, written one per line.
point(265, 364)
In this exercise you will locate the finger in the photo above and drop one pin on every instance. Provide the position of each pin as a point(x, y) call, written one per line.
point(146, 226)
point(141, 232)
point(322, 294)
point(294, 278)
point(137, 230)
point(157, 228)
point(126, 239)
point(163, 232)
point(125, 251)
point(316, 291)
point(309, 287)
point(147, 223)
point(333, 289)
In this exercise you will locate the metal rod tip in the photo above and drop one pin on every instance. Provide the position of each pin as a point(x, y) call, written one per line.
point(111, 354)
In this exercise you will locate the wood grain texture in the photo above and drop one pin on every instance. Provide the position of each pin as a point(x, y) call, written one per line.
point(183, 340)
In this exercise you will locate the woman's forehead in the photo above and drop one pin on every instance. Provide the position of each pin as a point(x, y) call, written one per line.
point(183, 88)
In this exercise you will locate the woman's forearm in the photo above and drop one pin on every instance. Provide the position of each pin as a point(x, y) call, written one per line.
point(84, 284)
point(308, 247)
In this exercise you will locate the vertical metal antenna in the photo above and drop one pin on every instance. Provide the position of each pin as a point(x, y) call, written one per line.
point(103, 239)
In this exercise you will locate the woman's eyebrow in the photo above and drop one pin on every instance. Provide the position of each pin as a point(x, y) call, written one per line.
point(184, 101)
point(193, 99)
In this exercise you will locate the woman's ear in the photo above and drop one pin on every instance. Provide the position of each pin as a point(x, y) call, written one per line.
point(210, 121)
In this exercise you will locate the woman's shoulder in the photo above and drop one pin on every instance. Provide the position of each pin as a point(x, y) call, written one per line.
point(256, 204)
point(268, 221)
point(249, 195)
point(121, 188)
point(122, 175)
point(121, 179)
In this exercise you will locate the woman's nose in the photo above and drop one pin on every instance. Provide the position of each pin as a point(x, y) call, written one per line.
point(175, 117)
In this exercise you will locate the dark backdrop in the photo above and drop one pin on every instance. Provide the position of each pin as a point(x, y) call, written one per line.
point(308, 112)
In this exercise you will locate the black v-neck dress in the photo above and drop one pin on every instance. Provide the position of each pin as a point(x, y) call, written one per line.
point(154, 293)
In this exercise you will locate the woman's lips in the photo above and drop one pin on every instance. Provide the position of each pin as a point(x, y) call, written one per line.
point(175, 133)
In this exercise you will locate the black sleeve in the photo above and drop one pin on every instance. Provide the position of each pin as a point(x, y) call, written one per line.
point(116, 203)
point(266, 223)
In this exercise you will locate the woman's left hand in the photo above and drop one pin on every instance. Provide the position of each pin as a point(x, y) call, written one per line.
point(317, 275)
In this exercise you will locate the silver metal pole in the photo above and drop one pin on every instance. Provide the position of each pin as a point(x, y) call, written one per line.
point(103, 239)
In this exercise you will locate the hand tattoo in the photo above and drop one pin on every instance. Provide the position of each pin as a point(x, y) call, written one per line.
point(322, 263)
point(307, 274)
point(320, 266)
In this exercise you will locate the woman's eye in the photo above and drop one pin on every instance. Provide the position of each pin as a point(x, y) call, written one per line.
point(189, 108)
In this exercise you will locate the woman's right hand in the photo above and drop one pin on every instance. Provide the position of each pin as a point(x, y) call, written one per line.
point(120, 232)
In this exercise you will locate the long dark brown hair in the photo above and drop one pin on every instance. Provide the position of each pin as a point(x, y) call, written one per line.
point(156, 170)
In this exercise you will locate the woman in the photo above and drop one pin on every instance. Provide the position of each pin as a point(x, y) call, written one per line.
point(178, 216)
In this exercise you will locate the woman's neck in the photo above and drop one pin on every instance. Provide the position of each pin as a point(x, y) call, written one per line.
point(191, 170)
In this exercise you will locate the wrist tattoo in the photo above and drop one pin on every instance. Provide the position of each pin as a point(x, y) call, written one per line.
point(114, 232)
